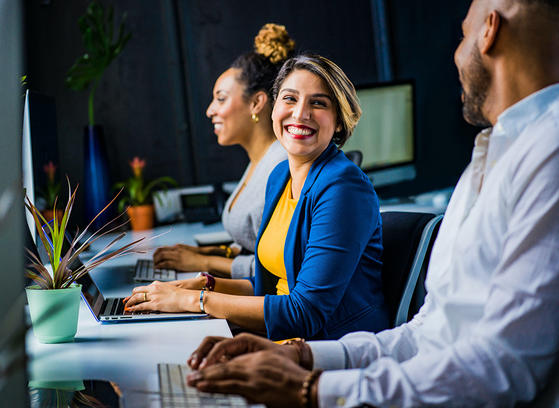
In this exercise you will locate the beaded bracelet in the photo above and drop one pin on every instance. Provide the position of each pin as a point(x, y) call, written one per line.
point(306, 389)
point(304, 352)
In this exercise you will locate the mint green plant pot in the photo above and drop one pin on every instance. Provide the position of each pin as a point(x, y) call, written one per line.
point(54, 313)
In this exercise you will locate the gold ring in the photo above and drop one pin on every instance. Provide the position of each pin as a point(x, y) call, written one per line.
point(145, 297)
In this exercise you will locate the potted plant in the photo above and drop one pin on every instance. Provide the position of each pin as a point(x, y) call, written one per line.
point(51, 192)
point(138, 196)
point(97, 29)
point(55, 297)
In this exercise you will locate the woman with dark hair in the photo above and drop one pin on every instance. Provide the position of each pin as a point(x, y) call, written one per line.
point(318, 251)
point(240, 112)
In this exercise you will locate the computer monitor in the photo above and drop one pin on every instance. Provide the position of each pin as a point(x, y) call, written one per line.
point(386, 132)
point(39, 146)
point(27, 165)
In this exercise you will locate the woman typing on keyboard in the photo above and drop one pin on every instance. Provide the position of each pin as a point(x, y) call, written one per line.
point(318, 251)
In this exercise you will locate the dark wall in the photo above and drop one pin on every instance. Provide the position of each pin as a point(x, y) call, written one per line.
point(152, 99)
point(424, 36)
point(215, 32)
point(138, 101)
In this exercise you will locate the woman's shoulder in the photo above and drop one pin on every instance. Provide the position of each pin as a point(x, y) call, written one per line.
point(275, 155)
point(279, 174)
point(339, 169)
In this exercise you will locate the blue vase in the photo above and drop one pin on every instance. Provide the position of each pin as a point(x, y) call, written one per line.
point(96, 176)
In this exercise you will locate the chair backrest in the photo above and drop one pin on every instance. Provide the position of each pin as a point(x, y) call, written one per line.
point(355, 156)
point(407, 239)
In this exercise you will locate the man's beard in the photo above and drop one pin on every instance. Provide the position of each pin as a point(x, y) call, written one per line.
point(478, 79)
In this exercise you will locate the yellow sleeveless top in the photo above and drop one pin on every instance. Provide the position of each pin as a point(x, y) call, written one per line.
point(272, 242)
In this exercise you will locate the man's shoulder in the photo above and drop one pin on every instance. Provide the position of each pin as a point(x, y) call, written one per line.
point(535, 154)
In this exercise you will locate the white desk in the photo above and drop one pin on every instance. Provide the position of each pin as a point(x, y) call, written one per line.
point(125, 353)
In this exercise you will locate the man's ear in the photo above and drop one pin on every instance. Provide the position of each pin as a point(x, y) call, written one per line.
point(258, 101)
point(490, 32)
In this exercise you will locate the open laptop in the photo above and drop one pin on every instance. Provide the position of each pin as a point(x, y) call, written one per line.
point(111, 310)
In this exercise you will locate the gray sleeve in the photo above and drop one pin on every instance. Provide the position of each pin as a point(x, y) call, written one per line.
point(242, 267)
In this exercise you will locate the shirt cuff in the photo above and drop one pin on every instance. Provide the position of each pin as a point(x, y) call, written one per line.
point(328, 355)
point(337, 388)
point(242, 267)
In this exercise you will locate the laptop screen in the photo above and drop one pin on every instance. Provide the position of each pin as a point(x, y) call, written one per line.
point(90, 291)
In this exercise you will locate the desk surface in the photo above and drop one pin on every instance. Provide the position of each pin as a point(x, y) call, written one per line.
point(125, 353)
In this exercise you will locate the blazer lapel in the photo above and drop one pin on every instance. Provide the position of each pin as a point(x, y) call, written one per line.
point(294, 246)
point(264, 283)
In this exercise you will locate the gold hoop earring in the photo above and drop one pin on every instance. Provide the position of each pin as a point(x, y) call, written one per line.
point(254, 118)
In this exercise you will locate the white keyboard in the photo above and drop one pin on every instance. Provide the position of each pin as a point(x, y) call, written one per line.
point(176, 394)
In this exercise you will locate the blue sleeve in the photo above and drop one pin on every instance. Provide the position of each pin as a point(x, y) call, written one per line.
point(251, 280)
point(344, 215)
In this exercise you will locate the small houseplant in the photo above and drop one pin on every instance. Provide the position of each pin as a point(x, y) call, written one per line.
point(54, 299)
point(51, 192)
point(138, 196)
point(103, 41)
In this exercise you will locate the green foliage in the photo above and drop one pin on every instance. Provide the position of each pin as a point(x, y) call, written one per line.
point(62, 276)
point(51, 193)
point(97, 29)
point(23, 82)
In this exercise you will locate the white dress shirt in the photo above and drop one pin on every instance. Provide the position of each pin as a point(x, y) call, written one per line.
point(488, 332)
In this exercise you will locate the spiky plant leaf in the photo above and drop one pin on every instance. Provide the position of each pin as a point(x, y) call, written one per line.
point(62, 276)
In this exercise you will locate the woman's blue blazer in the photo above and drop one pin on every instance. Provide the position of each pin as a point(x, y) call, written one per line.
point(332, 254)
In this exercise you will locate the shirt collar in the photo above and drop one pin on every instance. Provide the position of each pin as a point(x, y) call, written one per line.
point(515, 118)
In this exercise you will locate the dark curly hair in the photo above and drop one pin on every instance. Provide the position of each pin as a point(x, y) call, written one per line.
point(258, 69)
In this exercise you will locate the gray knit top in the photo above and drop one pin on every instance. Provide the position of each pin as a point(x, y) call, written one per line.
point(243, 220)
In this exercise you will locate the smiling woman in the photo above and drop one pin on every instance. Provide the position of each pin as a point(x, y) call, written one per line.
point(315, 277)
point(330, 270)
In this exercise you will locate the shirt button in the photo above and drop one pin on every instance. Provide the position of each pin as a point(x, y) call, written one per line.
point(340, 401)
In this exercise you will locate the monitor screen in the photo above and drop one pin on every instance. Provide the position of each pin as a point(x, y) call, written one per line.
point(27, 165)
point(385, 133)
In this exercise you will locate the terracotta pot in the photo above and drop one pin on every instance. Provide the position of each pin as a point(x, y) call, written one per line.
point(49, 214)
point(141, 217)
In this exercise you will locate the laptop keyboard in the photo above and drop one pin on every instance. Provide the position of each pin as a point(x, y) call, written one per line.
point(176, 394)
point(144, 272)
point(113, 307)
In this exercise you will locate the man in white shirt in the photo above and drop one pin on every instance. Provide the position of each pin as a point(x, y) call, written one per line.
point(488, 333)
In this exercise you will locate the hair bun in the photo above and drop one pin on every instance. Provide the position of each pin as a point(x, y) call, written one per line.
point(273, 42)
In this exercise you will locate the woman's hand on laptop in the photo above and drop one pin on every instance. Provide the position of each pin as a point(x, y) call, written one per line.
point(163, 297)
point(180, 257)
point(196, 283)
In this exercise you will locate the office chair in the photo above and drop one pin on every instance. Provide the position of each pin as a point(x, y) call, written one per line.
point(355, 156)
point(407, 239)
